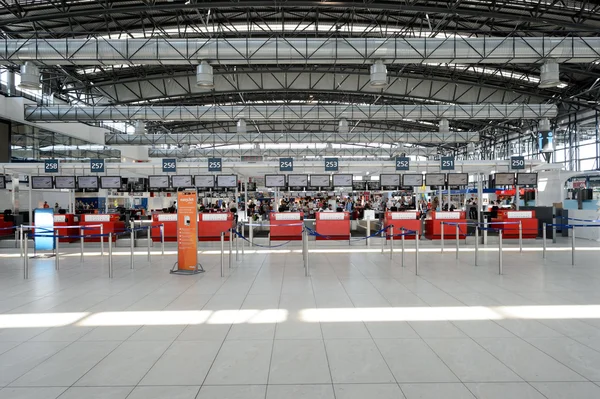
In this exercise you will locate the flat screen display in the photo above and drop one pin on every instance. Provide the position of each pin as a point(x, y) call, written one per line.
point(505, 179)
point(435, 179)
point(298, 180)
point(111, 182)
point(319, 180)
point(182, 181)
point(458, 179)
point(374, 185)
point(342, 180)
point(412, 180)
point(205, 181)
point(158, 181)
point(359, 185)
point(274, 180)
point(88, 182)
point(41, 182)
point(527, 179)
point(2, 182)
point(227, 181)
point(389, 180)
point(65, 182)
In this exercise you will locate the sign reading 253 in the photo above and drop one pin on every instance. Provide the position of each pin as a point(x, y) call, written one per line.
point(331, 165)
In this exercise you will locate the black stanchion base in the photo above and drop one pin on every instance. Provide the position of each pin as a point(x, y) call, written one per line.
point(199, 269)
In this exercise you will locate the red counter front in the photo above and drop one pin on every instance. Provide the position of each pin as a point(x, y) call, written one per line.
point(6, 231)
point(286, 226)
point(408, 220)
point(334, 225)
point(210, 226)
point(528, 221)
point(169, 220)
point(433, 225)
point(67, 220)
point(110, 223)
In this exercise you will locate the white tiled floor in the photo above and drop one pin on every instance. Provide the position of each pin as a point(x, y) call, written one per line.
point(361, 326)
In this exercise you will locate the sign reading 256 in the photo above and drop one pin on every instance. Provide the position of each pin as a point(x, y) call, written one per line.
point(169, 165)
point(215, 165)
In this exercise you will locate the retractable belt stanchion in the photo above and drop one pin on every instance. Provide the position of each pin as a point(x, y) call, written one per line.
point(81, 241)
point(402, 238)
point(110, 258)
point(149, 241)
point(21, 238)
point(56, 243)
point(132, 235)
point(101, 239)
point(26, 258)
point(476, 244)
point(417, 257)
point(500, 252)
point(572, 245)
point(222, 253)
point(485, 230)
point(237, 252)
point(442, 236)
point(520, 236)
point(391, 242)
point(368, 240)
point(162, 239)
point(544, 241)
point(251, 233)
point(457, 244)
point(553, 230)
point(241, 229)
point(230, 247)
point(306, 270)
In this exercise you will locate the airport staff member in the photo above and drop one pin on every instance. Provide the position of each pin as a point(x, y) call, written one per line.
point(46, 206)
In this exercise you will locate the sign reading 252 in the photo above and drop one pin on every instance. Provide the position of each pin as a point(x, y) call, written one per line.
point(169, 165)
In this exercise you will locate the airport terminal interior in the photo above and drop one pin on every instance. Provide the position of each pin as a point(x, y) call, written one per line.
point(381, 199)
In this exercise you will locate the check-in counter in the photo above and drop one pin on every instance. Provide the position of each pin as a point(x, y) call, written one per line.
point(110, 223)
point(409, 220)
point(529, 223)
point(433, 225)
point(67, 220)
point(6, 230)
point(333, 225)
point(210, 226)
point(169, 220)
point(286, 226)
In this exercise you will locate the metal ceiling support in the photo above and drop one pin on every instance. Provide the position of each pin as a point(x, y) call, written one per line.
point(65, 153)
point(365, 152)
point(285, 50)
point(67, 113)
point(292, 137)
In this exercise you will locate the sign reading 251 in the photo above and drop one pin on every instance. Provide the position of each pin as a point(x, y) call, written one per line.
point(214, 164)
point(169, 165)
point(447, 163)
point(286, 164)
point(51, 166)
point(331, 165)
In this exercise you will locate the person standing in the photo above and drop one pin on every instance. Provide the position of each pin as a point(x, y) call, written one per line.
point(46, 206)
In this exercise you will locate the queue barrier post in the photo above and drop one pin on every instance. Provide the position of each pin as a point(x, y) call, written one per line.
point(21, 239)
point(402, 239)
point(572, 245)
point(485, 230)
point(162, 239)
point(110, 257)
point(544, 240)
point(416, 257)
point(101, 240)
point(499, 251)
point(520, 236)
point(26, 258)
point(241, 230)
point(132, 238)
point(235, 236)
point(476, 244)
point(368, 240)
point(251, 233)
point(57, 258)
point(553, 230)
point(383, 238)
point(230, 247)
point(442, 236)
point(81, 242)
point(457, 236)
point(222, 253)
point(148, 241)
point(391, 242)
point(307, 270)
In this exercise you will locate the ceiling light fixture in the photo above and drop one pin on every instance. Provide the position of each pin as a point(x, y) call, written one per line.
point(204, 75)
point(378, 74)
point(30, 77)
point(549, 74)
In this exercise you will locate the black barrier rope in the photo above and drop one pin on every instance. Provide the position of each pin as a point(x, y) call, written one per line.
point(259, 245)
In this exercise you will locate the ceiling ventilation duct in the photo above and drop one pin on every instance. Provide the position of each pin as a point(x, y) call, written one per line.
point(378, 74)
point(204, 75)
point(549, 74)
point(30, 77)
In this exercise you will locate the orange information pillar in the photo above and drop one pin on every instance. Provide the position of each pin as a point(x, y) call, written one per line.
point(187, 235)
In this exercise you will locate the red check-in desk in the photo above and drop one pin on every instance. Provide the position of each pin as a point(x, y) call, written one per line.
point(169, 220)
point(528, 221)
point(409, 220)
point(5, 227)
point(334, 225)
point(433, 225)
point(67, 220)
point(110, 223)
point(286, 226)
point(210, 226)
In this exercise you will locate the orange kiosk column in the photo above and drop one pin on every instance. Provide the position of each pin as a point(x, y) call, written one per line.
point(408, 220)
point(335, 225)
point(169, 220)
point(187, 235)
point(286, 226)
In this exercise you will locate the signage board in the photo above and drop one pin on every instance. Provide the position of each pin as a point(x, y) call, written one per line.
point(97, 165)
point(331, 165)
point(215, 165)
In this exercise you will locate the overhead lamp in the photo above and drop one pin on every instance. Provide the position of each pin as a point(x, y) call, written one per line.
point(378, 74)
point(30, 77)
point(204, 75)
point(544, 125)
point(241, 126)
point(444, 126)
point(185, 149)
point(140, 127)
point(549, 74)
point(343, 126)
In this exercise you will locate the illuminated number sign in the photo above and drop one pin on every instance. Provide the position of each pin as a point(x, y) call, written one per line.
point(331, 164)
point(169, 165)
point(402, 163)
point(51, 166)
point(97, 165)
point(447, 163)
point(214, 164)
point(286, 164)
point(517, 162)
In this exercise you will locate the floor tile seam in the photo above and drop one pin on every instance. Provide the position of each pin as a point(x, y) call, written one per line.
point(275, 330)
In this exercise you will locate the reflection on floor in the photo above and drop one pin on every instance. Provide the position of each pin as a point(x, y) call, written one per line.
point(361, 326)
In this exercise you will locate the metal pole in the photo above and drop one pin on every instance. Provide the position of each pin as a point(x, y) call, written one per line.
point(81, 241)
point(307, 271)
point(391, 242)
point(21, 239)
point(251, 232)
point(368, 240)
point(457, 235)
point(417, 257)
point(230, 247)
point(57, 258)
point(544, 241)
point(237, 252)
point(485, 230)
point(132, 238)
point(26, 259)
point(520, 236)
point(499, 251)
point(573, 246)
point(222, 253)
point(241, 231)
point(162, 239)
point(476, 243)
point(110, 259)
point(384, 237)
point(101, 239)
point(402, 239)
point(553, 230)
point(442, 237)
point(148, 243)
